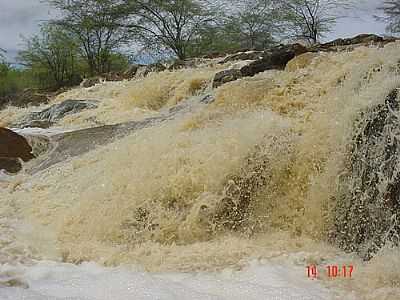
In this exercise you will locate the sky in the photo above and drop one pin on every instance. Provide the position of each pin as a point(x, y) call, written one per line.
point(22, 17)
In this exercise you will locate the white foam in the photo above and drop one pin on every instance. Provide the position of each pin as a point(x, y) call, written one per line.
point(50, 280)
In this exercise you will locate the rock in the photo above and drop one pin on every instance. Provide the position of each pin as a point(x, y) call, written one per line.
point(89, 82)
point(10, 165)
point(131, 71)
point(300, 62)
point(248, 55)
point(367, 215)
point(350, 43)
point(54, 113)
point(12, 148)
point(44, 124)
point(25, 98)
point(226, 76)
point(276, 58)
point(60, 147)
point(143, 71)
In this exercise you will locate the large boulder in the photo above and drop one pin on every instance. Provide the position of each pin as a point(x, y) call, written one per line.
point(273, 59)
point(12, 148)
point(226, 76)
point(368, 204)
point(54, 113)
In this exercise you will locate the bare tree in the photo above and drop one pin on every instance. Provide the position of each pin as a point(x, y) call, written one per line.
point(96, 24)
point(391, 11)
point(171, 24)
point(2, 52)
point(312, 19)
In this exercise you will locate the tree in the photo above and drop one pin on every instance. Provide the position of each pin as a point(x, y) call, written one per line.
point(52, 55)
point(2, 52)
point(253, 23)
point(391, 11)
point(311, 19)
point(4, 66)
point(96, 25)
point(170, 24)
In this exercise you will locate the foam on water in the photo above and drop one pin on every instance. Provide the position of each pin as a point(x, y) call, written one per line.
point(260, 280)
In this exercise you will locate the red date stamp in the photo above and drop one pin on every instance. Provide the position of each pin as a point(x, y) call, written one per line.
point(332, 271)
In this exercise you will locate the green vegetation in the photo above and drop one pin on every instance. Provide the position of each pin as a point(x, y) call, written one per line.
point(13, 80)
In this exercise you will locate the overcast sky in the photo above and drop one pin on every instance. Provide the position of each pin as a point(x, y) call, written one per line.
point(21, 17)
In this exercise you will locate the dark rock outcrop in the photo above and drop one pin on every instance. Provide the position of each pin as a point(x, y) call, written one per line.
point(274, 59)
point(226, 76)
point(248, 55)
point(359, 40)
point(12, 148)
point(49, 116)
point(368, 210)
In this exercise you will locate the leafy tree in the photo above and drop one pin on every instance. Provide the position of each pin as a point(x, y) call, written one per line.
point(51, 56)
point(3, 64)
point(214, 38)
point(97, 26)
point(172, 25)
point(311, 19)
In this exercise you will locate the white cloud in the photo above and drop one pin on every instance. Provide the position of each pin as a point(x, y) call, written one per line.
point(20, 17)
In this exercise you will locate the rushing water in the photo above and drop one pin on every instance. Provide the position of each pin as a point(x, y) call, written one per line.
point(255, 175)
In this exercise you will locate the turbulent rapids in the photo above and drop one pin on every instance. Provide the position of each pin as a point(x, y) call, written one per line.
point(172, 175)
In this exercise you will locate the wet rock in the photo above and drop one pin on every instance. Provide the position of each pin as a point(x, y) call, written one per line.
point(54, 113)
point(60, 147)
point(367, 215)
point(248, 55)
point(274, 59)
point(12, 148)
point(44, 124)
point(226, 76)
point(10, 165)
point(351, 43)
